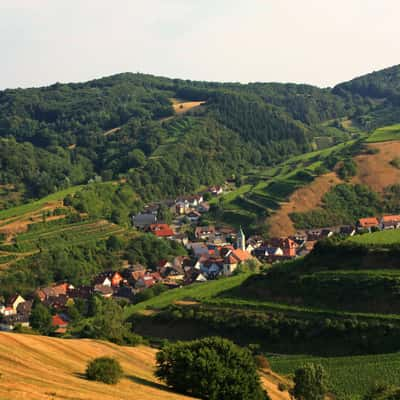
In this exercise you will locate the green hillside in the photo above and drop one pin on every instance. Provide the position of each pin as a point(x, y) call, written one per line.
point(385, 134)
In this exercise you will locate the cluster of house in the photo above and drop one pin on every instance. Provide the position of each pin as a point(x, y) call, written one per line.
point(207, 260)
point(375, 223)
point(192, 207)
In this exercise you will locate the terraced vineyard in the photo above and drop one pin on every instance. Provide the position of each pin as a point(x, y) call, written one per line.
point(77, 233)
point(385, 134)
point(264, 190)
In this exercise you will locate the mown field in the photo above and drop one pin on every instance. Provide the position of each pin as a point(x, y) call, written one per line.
point(385, 134)
point(383, 237)
point(349, 377)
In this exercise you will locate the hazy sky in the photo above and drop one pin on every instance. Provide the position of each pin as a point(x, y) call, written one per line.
point(322, 42)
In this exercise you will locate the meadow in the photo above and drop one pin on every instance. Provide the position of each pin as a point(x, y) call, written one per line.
point(387, 237)
point(195, 292)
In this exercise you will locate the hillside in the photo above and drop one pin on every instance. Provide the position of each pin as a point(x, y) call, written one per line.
point(120, 126)
point(42, 368)
point(38, 367)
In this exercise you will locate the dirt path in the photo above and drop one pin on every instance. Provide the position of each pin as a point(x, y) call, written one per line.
point(303, 199)
point(270, 381)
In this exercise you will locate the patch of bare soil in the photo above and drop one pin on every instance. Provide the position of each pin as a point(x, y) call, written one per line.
point(304, 199)
point(375, 170)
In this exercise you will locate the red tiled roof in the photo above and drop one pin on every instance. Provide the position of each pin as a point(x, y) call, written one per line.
point(366, 222)
point(241, 255)
point(391, 218)
point(57, 321)
point(161, 230)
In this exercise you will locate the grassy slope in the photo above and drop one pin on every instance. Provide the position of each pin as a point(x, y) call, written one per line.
point(42, 368)
point(37, 205)
point(385, 134)
point(383, 237)
point(200, 291)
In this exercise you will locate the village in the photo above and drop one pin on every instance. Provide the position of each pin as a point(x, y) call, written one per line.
point(213, 252)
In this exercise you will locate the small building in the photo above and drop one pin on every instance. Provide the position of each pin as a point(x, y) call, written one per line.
point(143, 221)
point(162, 231)
point(204, 232)
point(59, 323)
point(367, 223)
point(390, 222)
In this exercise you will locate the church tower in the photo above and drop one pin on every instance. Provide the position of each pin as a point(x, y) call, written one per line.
point(241, 240)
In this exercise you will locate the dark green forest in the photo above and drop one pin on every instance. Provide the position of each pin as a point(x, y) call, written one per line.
point(57, 136)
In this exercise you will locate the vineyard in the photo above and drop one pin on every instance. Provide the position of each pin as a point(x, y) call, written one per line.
point(350, 377)
point(42, 236)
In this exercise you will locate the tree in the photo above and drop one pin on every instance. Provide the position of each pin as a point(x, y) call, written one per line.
point(211, 368)
point(310, 382)
point(104, 369)
point(40, 319)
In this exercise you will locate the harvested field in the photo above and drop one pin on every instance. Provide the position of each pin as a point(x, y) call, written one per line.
point(182, 107)
point(304, 199)
point(42, 368)
point(37, 367)
point(375, 170)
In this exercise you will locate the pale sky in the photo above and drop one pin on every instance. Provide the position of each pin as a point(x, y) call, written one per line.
point(321, 42)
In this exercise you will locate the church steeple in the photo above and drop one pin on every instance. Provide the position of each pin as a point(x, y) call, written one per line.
point(241, 240)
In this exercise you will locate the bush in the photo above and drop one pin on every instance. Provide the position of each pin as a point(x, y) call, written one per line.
point(214, 369)
point(310, 383)
point(282, 387)
point(104, 369)
point(262, 362)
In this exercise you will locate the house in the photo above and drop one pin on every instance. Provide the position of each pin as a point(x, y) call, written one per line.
point(104, 291)
point(198, 248)
point(203, 207)
point(81, 292)
point(347, 230)
point(194, 276)
point(194, 216)
point(145, 282)
point(367, 223)
point(59, 323)
point(289, 247)
point(204, 232)
point(390, 222)
point(15, 301)
point(143, 221)
point(9, 322)
point(56, 290)
point(161, 230)
point(58, 303)
point(233, 259)
point(182, 207)
point(109, 278)
point(215, 190)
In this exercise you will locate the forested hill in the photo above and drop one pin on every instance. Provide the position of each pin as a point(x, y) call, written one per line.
point(126, 126)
